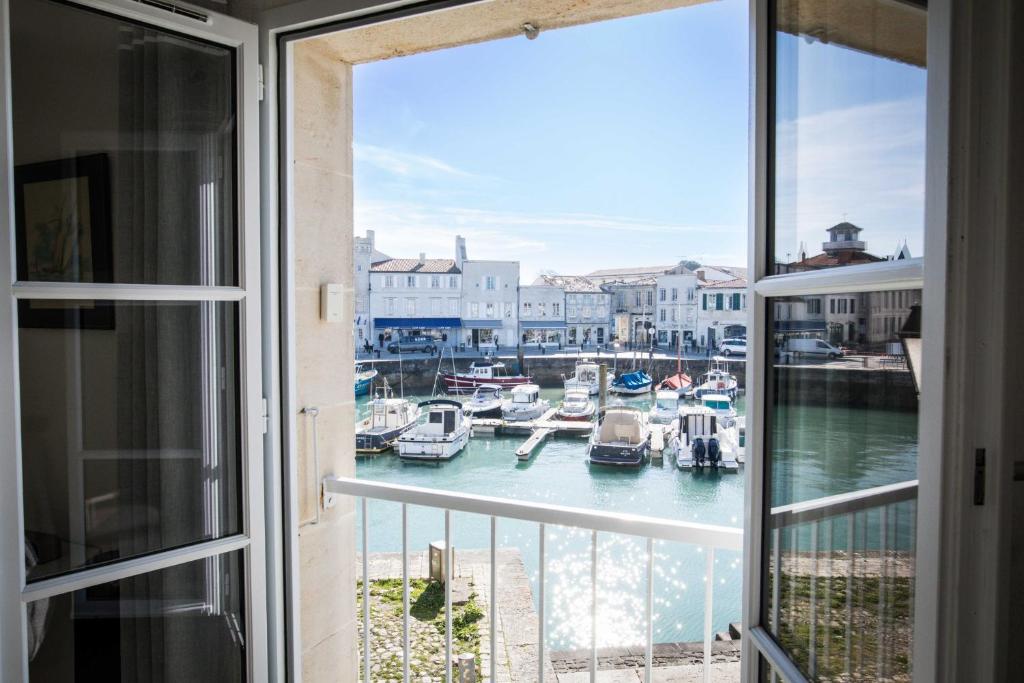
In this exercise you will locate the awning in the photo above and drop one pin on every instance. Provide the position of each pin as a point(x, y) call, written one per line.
point(482, 324)
point(799, 326)
point(417, 323)
point(542, 324)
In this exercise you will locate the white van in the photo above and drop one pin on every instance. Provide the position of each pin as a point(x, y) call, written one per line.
point(816, 347)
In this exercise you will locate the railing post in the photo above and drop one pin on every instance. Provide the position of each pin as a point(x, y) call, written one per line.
point(847, 644)
point(494, 600)
point(709, 589)
point(649, 654)
point(541, 611)
point(812, 645)
point(776, 584)
point(883, 534)
point(448, 576)
point(593, 607)
point(405, 592)
point(366, 592)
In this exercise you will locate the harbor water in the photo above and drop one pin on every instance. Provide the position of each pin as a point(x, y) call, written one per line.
point(558, 473)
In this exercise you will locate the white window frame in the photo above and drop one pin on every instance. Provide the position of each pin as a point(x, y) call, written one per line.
point(889, 275)
point(259, 602)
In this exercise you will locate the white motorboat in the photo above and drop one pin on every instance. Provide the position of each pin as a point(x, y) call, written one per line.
point(587, 376)
point(389, 418)
point(717, 380)
point(480, 373)
point(665, 409)
point(576, 406)
point(721, 405)
point(441, 437)
point(704, 442)
point(485, 402)
point(525, 404)
point(621, 438)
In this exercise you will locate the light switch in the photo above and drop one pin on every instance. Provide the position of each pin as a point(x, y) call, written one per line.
point(331, 303)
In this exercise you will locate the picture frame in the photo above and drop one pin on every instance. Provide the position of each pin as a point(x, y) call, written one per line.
point(63, 232)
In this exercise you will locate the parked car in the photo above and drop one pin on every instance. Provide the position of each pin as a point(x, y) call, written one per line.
point(734, 346)
point(816, 347)
point(413, 344)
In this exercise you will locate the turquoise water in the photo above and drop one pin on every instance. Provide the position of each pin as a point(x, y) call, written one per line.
point(558, 473)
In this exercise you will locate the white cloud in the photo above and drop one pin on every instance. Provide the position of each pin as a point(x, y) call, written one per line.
point(405, 164)
point(863, 163)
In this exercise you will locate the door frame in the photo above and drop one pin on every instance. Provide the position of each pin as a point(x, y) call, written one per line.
point(15, 593)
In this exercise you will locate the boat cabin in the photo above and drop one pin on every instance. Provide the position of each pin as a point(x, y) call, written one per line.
point(666, 401)
point(526, 393)
point(717, 402)
point(443, 419)
point(389, 412)
point(700, 422)
point(486, 370)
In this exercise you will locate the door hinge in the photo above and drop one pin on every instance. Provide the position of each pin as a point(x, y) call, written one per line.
point(261, 83)
point(265, 417)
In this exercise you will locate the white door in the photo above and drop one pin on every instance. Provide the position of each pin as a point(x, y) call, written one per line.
point(832, 443)
point(131, 471)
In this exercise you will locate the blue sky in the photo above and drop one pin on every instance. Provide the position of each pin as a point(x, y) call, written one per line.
point(608, 145)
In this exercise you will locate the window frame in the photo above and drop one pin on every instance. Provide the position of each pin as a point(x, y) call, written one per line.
point(248, 294)
point(758, 646)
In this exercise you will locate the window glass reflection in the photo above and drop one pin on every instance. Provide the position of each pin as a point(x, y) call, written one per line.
point(842, 463)
point(130, 428)
point(180, 624)
point(124, 150)
point(849, 138)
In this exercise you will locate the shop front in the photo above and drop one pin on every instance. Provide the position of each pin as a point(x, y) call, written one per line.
point(548, 334)
point(445, 331)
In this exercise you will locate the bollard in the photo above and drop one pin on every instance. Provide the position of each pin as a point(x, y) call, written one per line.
point(467, 668)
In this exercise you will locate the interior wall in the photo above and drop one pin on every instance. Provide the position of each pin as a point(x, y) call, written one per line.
point(323, 235)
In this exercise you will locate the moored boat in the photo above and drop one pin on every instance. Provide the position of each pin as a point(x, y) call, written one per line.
point(666, 407)
point(621, 438)
point(525, 404)
point(717, 380)
point(485, 402)
point(441, 437)
point(587, 376)
point(679, 383)
point(636, 382)
point(705, 442)
point(389, 418)
point(576, 406)
point(480, 373)
point(364, 378)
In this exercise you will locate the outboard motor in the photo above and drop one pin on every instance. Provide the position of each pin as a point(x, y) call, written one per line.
point(698, 452)
point(714, 453)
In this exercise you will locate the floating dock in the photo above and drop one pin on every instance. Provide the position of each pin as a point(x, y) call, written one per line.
point(538, 430)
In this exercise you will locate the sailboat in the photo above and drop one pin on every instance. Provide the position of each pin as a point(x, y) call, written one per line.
point(681, 383)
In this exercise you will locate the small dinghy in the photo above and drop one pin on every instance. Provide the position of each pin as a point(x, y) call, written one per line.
point(364, 378)
point(441, 437)
point(576, 406)
point(622, 438)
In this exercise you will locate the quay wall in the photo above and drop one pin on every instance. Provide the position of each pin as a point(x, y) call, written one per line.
point(819, 385)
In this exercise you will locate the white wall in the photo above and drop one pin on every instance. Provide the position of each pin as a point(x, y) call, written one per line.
point(503, 299)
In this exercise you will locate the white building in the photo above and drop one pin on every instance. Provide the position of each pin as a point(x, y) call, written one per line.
point(675, 307)
point(542, 315)
point(490, 304)
point(587, 309)
point(415, 296)
point(364, 255)
point(722, 310)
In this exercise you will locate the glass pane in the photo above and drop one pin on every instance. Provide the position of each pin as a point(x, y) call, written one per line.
point(842, 421)
point(184, 623)
point(130, 428)
point(849, 137)
point(124, 150)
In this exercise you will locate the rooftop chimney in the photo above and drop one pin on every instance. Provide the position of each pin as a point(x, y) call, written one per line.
point(423, 257)
point(460, 251)
point(700, 274)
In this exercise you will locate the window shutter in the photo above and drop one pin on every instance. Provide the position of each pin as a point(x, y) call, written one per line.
point(704, 303)
point(718, 302)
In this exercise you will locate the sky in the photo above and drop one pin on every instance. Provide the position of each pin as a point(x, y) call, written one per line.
point(624, 143)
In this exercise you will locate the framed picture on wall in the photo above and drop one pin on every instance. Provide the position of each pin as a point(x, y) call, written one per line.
point(64, 234)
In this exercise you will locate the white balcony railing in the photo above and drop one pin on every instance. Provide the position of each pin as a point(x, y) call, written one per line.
point(707, 536)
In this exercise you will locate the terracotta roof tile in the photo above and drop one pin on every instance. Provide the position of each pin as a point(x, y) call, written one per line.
point(411, 265)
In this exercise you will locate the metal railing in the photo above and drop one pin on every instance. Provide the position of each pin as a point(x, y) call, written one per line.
point(707, 536)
